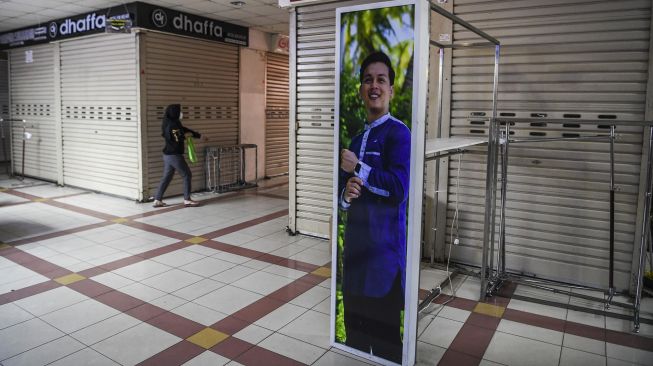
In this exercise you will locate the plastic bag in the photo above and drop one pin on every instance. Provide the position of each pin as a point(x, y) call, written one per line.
point(192, 156)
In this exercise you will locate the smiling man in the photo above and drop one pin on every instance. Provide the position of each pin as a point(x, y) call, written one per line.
point(373, 187)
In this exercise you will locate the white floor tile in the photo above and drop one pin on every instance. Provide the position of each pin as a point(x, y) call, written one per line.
point(113, 280)
point(292, 348)
point(529, 331)
point(51, 300)
point(284, 271)
point(199, 313)
point(311, 327)
point(629, 354)
point(428, 355)
point(262, 282)
point(142, 292)
point(105, 329)
point(207, 358)
point(584, 344)
point(228, 299)
point(280, 317)
point(168, 302)
point(22, 283)
point(79, 315)
point(233, 274)
point(572, 357)
point(312, 297)
point(324, 306)
point(172, 280)
point(207, 266)
point(10, 314)
point(46, 353)
point(253, 334)
point(595, 320)
point(86, 357)
point(539, 309)
point(313, 256)
point(332, 358)
point(198, 289)
point(142, 270)
point(456, 314)
point(513, 350)
point(441, 332)
point(136, 344)
point(25, 336)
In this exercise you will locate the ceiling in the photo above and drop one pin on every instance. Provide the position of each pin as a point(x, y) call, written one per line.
point(264, 15)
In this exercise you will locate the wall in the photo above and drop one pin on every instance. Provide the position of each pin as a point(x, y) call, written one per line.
point(252, 106)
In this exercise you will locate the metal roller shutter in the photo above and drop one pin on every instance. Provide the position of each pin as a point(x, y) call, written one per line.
point(5, 132)
point(276, 115)
point(314, 103)
point(100, 123)
point(32, 99)
point(560, 59)
point(203, 77)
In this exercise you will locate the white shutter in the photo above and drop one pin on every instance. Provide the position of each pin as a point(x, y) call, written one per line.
point(276, 115)
point(5, 132)
point(32, 99)
point(574, 59)
point(314, 101)
point(200, 75)
point(99, 115)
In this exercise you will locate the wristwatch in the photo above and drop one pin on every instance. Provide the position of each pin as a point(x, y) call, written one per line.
point(357, 168)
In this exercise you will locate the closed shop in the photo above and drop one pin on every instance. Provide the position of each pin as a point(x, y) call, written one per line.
point(276, 115)
point(200, 75)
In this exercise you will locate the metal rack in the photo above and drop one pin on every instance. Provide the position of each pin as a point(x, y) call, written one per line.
point(226, 167)
point(493, 276)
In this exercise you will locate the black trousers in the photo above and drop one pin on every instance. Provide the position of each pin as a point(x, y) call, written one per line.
point(372, 323)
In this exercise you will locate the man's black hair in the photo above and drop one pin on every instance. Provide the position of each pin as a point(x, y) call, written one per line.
point(381, 57)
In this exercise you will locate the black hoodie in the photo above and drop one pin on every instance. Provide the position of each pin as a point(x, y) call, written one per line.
point(173, 132)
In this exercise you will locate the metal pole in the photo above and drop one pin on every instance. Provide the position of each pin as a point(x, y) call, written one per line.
point(501, 263)
point(611, 289)
point(645, 228)
point(438, 134)
point(458, 20)
point(22, 174)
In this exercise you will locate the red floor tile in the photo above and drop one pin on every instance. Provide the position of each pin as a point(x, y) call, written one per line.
point(472, 340)
point(145, 312)
point(453, 358)
point(230, 325)
point(232, 347)
point(258, 309)
point(257, 356)
point(483, 321)
point(119, 301)
point(629, 340)
point(178, 354)
point(175, 324)
point(28, 291)
point(291, 291)
point(534, 319)
point(90, 288)
point(583, 330)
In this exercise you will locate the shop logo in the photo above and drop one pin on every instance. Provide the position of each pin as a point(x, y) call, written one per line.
point(52, 30)
point(207, 27)
point(159, 18)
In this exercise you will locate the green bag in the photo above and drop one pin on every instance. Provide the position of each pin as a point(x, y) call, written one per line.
point(192, 156)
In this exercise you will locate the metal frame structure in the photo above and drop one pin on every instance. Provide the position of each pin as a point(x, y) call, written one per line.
point(492, 277)
point(492, 42)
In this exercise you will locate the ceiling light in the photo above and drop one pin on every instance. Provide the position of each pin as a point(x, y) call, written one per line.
point(237, 3)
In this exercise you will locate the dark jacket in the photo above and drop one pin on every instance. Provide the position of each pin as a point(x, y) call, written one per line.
point(173, 132)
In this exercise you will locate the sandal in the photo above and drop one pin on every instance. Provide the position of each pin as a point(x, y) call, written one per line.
point(191, 203)
point(158, 203)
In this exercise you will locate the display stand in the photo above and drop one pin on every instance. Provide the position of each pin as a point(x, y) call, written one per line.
point(492, 277)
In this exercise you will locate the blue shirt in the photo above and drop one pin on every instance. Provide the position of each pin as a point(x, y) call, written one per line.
point(375, 232)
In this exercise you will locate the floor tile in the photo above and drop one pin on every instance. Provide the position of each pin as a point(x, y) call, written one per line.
point(584, 344)
point(136, 344)
point(280, 317)
point(142, 270)
point(197, 289)
point(441, 332)
point(25, 336)
point(51, 300)
point(262, 282)
point(628, 354)
point(11, 314)
point(324, 306)
point(253, 334)
point(46, 353)
point(292, 348)
point(572, 357)
point(104, 329)
point(313, 256)
point(178, 258)
point(207, 266)
point(228, 299)
point(113, 280)
point(207, 358)
point(172, 280)
point(79, 315)
point(513, 350)
point(168, 302)
point(428, 355)
point(86, 357)
point(456, 314)
point(142, 292)
point(535, 308)
point(311, 297)
point(199, 313)
point(284, 271)
point(531, 332)
point(332, 358)
point(233, 274)
point(595, 320)
point(311, 327)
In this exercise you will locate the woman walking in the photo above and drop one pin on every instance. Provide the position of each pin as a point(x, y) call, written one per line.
point(173, 155)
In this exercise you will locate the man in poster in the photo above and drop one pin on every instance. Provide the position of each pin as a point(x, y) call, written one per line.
point(373, 188)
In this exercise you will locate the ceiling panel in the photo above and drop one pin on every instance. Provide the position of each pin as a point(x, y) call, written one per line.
point(264, 15)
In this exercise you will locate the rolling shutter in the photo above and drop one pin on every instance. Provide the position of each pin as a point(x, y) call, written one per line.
point(100, 123)
point(202, 76)
point(315, 77)
point(32, 99)
point(5, 132)
point(562, 59)
point(276, 115)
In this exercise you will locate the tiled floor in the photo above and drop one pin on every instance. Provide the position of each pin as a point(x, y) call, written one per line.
point(90, 279)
